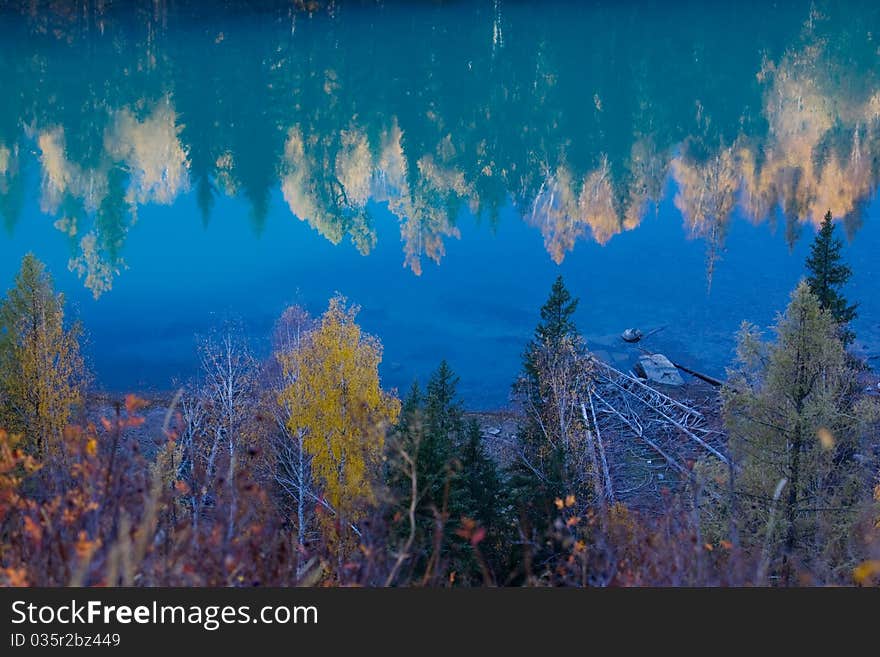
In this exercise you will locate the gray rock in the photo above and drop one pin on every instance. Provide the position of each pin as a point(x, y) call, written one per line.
point(658, 369)
point(631, 335)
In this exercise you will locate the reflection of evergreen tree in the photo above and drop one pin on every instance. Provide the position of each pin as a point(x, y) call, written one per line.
point(206, 122)
point(11, 186)
point(111, 222)
point(12, 109)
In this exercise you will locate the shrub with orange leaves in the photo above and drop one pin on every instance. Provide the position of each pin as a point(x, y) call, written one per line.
point(15, 465)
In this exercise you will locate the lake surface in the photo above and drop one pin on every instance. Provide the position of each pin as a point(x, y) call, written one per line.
point(440, 165)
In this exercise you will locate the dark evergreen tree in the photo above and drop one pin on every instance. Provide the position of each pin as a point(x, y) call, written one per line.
point(411, 408)
point(482, 500)
point(556, 315)
point(443, 410)
point(536, 477)
point(556, 323)
point(480, 480)
point(827, 274)
point(429, 432)
point(459, 489)
point(442, 414)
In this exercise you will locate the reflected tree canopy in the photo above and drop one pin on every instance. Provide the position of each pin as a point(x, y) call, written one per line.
point(578, 120)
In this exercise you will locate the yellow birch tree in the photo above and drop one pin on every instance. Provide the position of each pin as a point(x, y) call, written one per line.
point(336, 398)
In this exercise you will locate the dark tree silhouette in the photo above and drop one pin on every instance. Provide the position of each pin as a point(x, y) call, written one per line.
point(827, 274)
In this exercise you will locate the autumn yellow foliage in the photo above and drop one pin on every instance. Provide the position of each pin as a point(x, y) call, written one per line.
point(336, 398)
point(41, 369)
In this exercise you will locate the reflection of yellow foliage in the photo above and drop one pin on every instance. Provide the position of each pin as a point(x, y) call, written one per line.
point(391, 170)
point(444, 179)
point(874, 107)
point(335, 204)
point(817, 157)
point(152, 150)
point(596, 204)
point(799, 168)
point(563, 214)
point(97, 272)
point(756, 200)
point(422, 213)
point(6, 167)
point(706, 197)
point(56, 169)
point(648, 170)
point(423, 234)
point(295, 183)
point(321, 198)
point(66, 225)
point(706, 191)
point(157, 167)
point(331, 82)
point(555, 212)
point(842, 185)
point(61, 177)
point(354, 167)
point(424, 218)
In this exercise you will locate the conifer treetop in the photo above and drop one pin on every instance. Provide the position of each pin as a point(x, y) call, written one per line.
point(827, 273)
point(556, 315)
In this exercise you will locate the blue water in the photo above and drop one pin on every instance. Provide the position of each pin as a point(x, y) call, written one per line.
point(180, 122)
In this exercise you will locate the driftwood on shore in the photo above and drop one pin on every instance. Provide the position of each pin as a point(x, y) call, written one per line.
point(631, 424)
point(704, 377)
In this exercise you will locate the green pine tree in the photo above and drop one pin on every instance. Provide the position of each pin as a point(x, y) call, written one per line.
point(556, 324)
point(538, 476)
point(443, 411)
point(480, 480)
point(429, 431)
point(459, 494)
point(796, 420)
point(411, 410)
point(442, 415)
point(481, 499)
point(556, 318)
point(827, 274)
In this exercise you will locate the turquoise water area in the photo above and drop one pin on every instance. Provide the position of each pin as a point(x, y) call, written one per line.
point(179, 164)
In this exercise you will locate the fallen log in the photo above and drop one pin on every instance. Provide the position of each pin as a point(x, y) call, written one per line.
point(705, 377)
